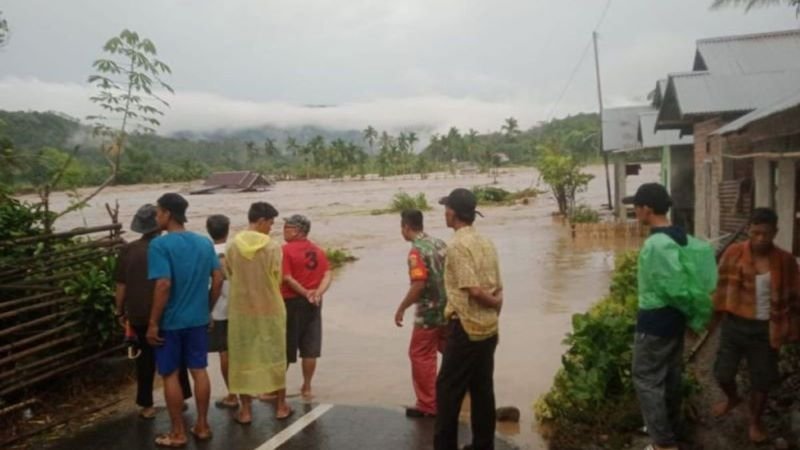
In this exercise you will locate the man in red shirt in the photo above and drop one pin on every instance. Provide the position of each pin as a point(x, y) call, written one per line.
point(306, 278)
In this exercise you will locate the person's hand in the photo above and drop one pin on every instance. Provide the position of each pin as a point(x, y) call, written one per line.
point(398, 317)
point(152, 336)
point(210, 326)
point(498, 296)
point(313, 297)
point(121, 319)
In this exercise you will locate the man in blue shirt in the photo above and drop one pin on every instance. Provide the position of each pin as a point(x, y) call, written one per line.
point(181, 263)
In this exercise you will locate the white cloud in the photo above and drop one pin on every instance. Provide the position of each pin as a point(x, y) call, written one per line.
point(199, 111)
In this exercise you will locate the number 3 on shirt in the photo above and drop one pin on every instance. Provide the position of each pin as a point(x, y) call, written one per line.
point(311, 260)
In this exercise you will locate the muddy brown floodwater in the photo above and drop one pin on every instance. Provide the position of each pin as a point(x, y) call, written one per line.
point(547, 277)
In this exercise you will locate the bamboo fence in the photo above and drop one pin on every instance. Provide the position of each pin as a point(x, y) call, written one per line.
point(42, 335)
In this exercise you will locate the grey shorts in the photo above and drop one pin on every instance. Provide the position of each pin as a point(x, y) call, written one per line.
point(218, 337)
point(748, 339)
point(303, 329)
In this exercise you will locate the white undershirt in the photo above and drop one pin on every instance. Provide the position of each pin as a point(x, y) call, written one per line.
point(763, 295)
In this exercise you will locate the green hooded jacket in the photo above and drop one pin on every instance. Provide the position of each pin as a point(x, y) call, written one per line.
point(682, 277)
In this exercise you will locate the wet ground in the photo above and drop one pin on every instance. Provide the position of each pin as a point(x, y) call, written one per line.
point(547, 276)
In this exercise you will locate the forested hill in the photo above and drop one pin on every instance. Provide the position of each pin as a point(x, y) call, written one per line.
point(32, 144)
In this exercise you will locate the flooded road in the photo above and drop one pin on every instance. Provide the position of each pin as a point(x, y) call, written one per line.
point(547, 277)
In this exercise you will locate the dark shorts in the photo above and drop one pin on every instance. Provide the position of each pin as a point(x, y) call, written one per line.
point(748, 339)
point(187, 347)
point(303, 329)
point(218, 337)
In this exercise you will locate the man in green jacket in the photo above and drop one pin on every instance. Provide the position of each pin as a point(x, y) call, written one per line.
point(676, 275)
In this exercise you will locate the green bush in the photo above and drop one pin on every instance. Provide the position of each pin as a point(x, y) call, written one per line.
point(490, 195)
point(94, 287)
point(337, 257)
point(593, 393)
point(584, 214)
point(403, 201)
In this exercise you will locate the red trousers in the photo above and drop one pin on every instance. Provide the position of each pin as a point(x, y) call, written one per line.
point(425, 344)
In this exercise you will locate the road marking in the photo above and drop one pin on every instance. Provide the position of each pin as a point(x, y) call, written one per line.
point(296, 427)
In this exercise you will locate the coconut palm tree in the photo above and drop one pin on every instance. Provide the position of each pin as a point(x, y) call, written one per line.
point(370, 135)
point(750, 4)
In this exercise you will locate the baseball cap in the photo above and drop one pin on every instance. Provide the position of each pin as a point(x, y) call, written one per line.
point(652, 195)
point(462, 201)
point(175, 204)
point(144, 221)
point(300, 221)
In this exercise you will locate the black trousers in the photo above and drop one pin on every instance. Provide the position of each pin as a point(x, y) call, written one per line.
point(467, 366)
point(146, 371)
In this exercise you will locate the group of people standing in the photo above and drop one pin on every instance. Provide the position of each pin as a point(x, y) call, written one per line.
point(753, 296)
point(252, 301)
point(259, 304)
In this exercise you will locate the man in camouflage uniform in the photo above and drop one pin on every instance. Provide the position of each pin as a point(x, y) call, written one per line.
point(426, 269)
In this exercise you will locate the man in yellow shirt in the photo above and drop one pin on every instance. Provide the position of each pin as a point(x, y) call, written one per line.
point(474, 299)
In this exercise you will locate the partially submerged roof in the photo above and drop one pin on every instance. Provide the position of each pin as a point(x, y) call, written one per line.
point(778, 107)
point(621, 128)
point(650, 138)
point(749, 53)
point(698, 94)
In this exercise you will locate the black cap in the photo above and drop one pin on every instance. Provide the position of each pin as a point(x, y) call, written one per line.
point(144, 222)
point(175, 204)
point(300, 222)
point(652, 195)
point(462, 201)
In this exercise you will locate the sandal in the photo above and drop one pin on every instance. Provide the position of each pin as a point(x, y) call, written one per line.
point(239, 420)
point(222, 404)
point(201, 436)
point(289, 414)
point(166, 440)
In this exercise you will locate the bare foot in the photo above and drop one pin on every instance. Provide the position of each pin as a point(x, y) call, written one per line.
point(306, 392)
point(243, 419)
point(757, 433)
point(284, 413)
point(722, 408)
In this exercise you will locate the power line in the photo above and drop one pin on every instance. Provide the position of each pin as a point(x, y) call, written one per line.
point(580, 62)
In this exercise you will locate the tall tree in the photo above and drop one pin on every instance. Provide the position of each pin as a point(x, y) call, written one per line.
point(510, 128)
point(270, 149)
point(291, 146)
point(750, 4)
point(412, 139)
point(126, 80)
point(4, 30)
point(370, 135)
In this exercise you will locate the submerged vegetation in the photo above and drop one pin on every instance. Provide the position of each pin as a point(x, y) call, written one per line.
point(491, 195)
point(338, 257)
point(403, 201)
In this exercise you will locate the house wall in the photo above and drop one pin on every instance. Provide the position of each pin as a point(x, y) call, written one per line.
point(681, 185)
point(707, 176)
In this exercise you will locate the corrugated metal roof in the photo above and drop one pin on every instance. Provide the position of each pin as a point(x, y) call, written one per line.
point(621, 127)
point(750, 53)
point(650, 138)
point(699, 93)
point(761, 113)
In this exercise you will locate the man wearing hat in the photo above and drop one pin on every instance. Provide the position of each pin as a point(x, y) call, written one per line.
point(306, 278)
point(181, 264)
point(134, 297)
point(474, 299)
point(677, 274)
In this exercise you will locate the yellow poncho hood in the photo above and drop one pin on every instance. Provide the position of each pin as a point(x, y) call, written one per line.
point(249, 242)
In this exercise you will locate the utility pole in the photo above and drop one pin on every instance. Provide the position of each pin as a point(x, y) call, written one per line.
point(600, 104)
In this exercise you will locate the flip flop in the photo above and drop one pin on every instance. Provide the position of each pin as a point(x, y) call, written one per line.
point(291, 412)
point(240, 421)
point(165, 440)
point(148, 416)
point(222, 404)
point(201, 437)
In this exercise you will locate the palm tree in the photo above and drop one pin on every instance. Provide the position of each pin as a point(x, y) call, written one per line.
point(291, 146)
point(370, 135)
point(270, 149)
point(412, 139)
point(750, 4)
point(510, 127)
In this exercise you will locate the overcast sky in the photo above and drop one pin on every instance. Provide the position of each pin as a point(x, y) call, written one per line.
point(393, 64)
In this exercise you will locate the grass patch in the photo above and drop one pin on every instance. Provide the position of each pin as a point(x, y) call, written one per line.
point(490, 195)
point(402, 201)
point(584, 214)
point(338, 257)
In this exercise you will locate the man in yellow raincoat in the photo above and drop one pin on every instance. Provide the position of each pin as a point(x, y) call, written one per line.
point(256, 315)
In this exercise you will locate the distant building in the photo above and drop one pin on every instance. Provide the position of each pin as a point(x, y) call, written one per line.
point(241, 181)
